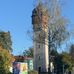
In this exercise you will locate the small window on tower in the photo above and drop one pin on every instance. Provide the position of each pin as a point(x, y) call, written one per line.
point(39, 57)
point(39, 46)
point(39, 35)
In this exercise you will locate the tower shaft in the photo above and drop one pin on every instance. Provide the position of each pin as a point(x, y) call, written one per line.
point(40, 38)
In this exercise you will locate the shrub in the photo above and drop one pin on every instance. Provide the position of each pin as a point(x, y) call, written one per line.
point(5, 61)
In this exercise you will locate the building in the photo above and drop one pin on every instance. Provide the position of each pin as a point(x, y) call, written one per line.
point(40, 39)
point(23, 59)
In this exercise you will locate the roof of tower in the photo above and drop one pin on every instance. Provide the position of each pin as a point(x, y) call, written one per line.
point(40, 8)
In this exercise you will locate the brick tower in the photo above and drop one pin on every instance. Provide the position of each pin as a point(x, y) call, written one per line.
point(40, 38)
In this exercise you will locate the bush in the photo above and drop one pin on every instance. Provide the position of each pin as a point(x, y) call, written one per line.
point(5, 61)
point(33, 72)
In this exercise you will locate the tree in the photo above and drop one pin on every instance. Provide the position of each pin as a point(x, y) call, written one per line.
point(57, 32)
point(5, 40)
point(28, 52)
point(57, 25)
point(71, 51)
point(5, 61)
point(67, 62)
point(58, 64)
point(62, 62)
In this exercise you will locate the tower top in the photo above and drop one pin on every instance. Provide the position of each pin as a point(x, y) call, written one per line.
point(39, 17)
point(40, 9)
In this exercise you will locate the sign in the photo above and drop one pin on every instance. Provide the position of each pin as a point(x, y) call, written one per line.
point(23, 68)
point(20, 68)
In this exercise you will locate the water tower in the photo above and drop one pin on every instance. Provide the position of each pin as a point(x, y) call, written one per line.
point(40, 38)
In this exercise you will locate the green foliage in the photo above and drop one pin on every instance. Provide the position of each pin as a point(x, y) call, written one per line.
point(5, 61)
point(5, 40)
point(62, 62)
point(71, 51)
point(67, 60)
point(58, 64)
point(53, 53)
point(29, 52)
point(33, 72)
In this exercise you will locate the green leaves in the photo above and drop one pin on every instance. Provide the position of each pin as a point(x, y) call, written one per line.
point(62, 62)
point(28, 53)
point(67, 60)
point(5, 61)
point(5, 40)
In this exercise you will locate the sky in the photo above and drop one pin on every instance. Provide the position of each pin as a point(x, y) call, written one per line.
point(15, 16)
